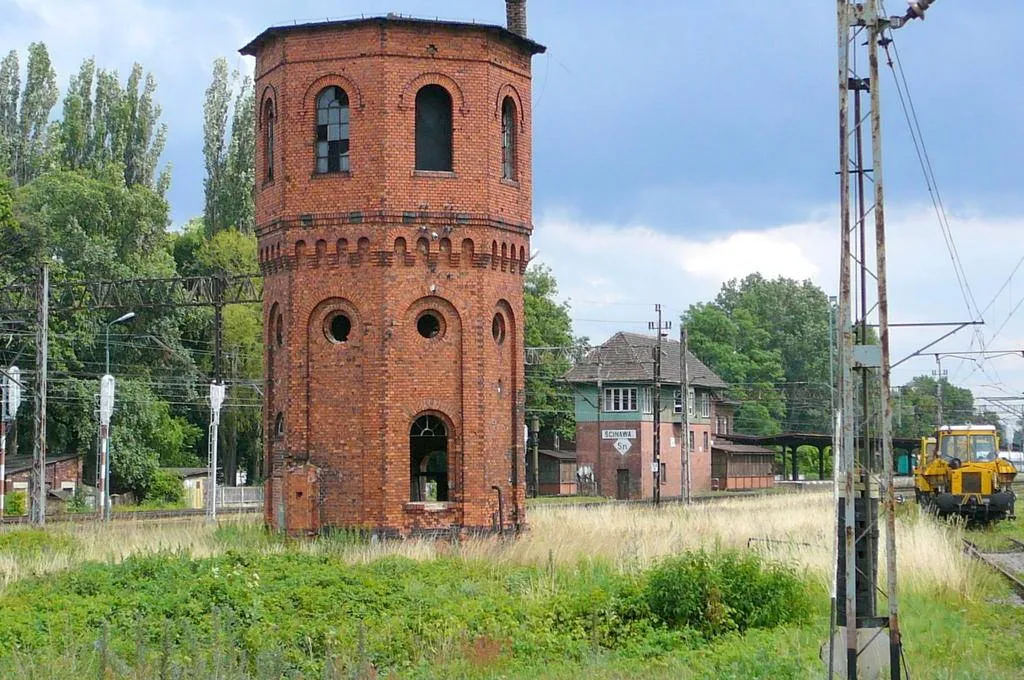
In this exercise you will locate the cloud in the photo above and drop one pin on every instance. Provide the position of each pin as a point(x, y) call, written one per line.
point(175, 41)
point(613, 275)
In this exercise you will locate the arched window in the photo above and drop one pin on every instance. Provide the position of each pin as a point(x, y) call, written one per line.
point(428, 459)
point(332, 130)
point(433, 129)
point(269, 122)
point(508, 139)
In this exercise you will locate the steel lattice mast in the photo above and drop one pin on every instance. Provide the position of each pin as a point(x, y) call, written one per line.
point(863, 461)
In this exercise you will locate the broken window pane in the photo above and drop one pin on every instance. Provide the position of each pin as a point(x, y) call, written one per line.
point(332, 131)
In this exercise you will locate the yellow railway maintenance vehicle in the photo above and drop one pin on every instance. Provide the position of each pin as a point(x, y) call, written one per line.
point(960, 473)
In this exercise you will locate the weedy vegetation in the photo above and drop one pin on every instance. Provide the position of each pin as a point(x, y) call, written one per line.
point(606, 592)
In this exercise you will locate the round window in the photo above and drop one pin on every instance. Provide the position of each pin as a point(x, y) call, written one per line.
point(339, 326)
point(429, 324)
point(498, 328)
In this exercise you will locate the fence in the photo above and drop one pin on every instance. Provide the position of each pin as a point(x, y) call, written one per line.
point(239, 496)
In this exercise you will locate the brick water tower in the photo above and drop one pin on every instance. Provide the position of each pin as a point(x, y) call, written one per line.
point(393, 209)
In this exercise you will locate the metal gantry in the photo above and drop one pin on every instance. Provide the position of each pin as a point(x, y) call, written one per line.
point(22, 299)
point(864, 464)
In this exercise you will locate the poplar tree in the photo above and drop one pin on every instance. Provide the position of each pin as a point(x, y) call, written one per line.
point(215, 121)
point(239, 202)
point(114, 125)
point(229, 152)
point(10, 89)
point(37, 101)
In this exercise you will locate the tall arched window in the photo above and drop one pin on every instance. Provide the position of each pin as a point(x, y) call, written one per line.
point(508, 139)
point(268, 149)
point(428, 459)
point(433, 129)
point(332, 130)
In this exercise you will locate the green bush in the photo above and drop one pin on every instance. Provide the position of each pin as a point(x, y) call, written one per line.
point(305, 612)
point(166, 488)
point(14, 503)
point(719, 593)
point(77, 502)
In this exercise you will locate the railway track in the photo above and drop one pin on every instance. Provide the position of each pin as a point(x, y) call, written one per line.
point(1009, 563)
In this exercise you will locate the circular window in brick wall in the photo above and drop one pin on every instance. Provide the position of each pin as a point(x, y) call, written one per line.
point(429, 324)
point(338, 327)
point(498, 328)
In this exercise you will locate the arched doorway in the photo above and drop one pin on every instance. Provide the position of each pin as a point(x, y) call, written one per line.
point(428, 459)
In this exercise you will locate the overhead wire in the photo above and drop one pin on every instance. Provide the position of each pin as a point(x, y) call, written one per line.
point(931, 182)
point(924, 159)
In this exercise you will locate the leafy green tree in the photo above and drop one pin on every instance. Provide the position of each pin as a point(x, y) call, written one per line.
point(770, 339)
point(232, 252)
point(548, 324)
point(167, 488)
point(10, 89)
point(37, 101)
point(732, 345)
point(104, 123)
point(91, 225)
point(215, 123)
point(76, 127)
point(238, 207)
point(228, 252)
point(915, 406)
point(229, 153)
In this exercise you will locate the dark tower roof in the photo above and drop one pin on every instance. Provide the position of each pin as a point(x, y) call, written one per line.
point(525, 43)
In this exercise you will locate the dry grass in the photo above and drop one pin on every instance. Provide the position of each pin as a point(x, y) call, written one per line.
point(793, 528)
point(111, 543)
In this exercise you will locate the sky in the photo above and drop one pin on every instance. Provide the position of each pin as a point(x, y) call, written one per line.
point(681, 145)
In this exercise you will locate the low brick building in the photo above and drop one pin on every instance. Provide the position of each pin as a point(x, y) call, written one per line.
point(394, 212)
point(63, 473)
point(615, 436)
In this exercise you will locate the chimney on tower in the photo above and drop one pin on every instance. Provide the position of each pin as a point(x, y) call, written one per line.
point(515, 11)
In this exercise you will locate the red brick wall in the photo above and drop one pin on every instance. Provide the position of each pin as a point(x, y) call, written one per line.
point(68, 470)
point(638, 459)
point(383, 243)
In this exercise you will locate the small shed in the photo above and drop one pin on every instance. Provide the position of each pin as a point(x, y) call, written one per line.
point(194, 480)
point(736, 467)
point(557, 472)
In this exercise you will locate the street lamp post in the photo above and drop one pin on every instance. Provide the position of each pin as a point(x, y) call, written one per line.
point(106, 410)
point(121, 319)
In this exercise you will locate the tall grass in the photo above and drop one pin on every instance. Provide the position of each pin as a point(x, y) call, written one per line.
point(795, 529)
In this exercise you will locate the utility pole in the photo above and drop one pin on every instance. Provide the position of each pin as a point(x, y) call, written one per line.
point(656, 393)
point(600, 406)
point(11, 401)
point(939, 375)
point(106, 411)
point(216, 401)
point(866, 414)
point(37, 502)
point(216, 393)
point(684, 416)
point(535, 454)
